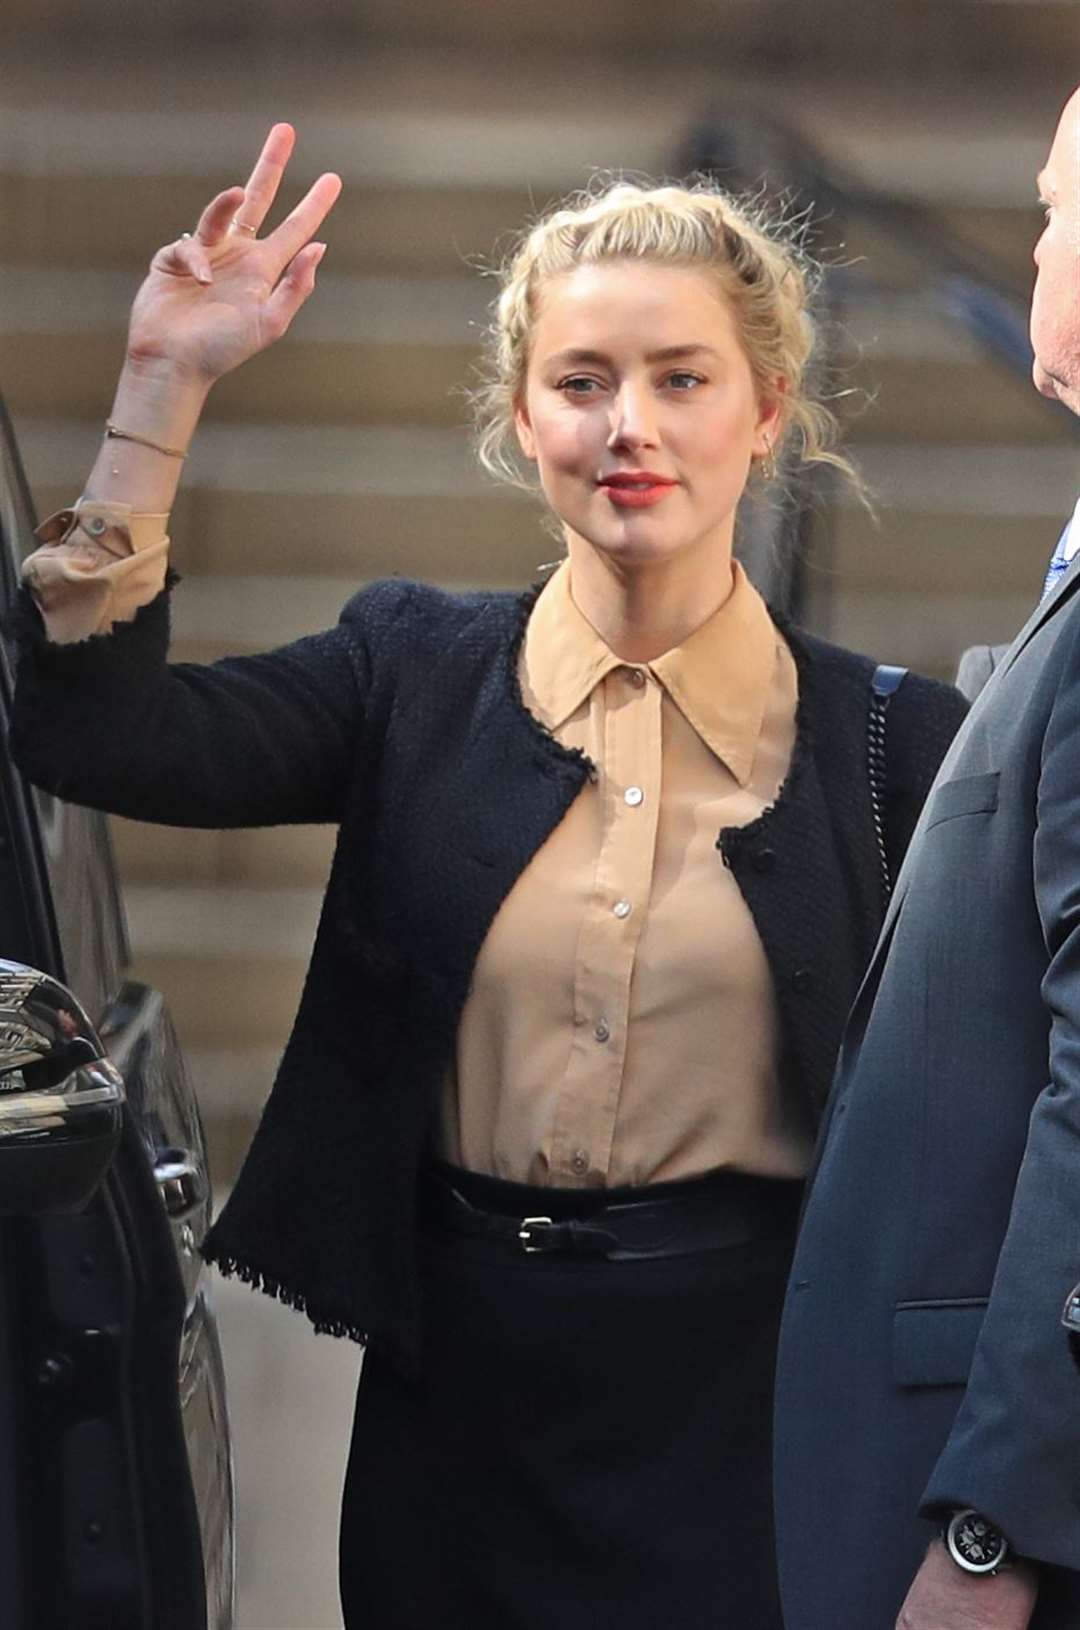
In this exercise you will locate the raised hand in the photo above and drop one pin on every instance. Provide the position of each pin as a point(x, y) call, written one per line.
point(215, 298)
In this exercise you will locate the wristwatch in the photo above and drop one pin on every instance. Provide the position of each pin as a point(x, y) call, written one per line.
point(974, 1543)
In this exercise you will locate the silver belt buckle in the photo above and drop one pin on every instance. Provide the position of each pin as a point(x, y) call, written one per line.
point(525, 1232)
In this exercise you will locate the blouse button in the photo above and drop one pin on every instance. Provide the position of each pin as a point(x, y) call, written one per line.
point(764, 860)
point(602, 1030)
point(634, 796)
point(621, 908)
point(637, 678)
point(579, 1161)
point(800, 980)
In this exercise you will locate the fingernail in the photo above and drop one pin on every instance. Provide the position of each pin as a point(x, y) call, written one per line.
point(321, 247)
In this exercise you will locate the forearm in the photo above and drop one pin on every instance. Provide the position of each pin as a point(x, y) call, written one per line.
point(161, 403)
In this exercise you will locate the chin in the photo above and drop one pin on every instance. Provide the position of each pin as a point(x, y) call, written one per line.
point(1044, 383)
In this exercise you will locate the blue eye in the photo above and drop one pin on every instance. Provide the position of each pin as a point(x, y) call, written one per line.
point(578, 385)
point(685, 381)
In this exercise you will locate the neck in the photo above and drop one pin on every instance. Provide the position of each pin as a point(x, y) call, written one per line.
point(641, 611)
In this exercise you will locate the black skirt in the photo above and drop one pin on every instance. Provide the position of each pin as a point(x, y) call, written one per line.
point(590, 1444)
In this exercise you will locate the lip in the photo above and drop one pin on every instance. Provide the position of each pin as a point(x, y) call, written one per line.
point(636, 489)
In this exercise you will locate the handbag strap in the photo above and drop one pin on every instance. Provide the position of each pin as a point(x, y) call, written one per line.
point(884, 685)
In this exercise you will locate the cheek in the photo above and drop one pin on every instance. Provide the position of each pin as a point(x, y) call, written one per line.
point(563, 441)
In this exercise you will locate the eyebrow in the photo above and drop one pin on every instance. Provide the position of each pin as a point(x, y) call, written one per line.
point(582, 356)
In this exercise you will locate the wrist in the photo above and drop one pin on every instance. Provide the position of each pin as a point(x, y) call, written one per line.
point(159, 399)
point(975, 1545)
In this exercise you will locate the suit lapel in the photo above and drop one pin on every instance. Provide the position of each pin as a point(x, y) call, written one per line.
point(1062, 591)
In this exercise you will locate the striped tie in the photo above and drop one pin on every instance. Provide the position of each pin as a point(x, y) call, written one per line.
point(1059, 563)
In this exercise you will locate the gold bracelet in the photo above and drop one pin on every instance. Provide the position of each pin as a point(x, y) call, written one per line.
point(115, 434)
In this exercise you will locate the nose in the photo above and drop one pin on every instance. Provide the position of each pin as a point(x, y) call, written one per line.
point(633, 418)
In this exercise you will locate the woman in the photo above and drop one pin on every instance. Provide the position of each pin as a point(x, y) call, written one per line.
point(606, 879)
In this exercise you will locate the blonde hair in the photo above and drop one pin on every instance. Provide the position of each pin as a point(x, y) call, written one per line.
point(760, 267)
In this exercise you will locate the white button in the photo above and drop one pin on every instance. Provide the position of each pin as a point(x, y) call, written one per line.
point(637, 678)
point(621, 908)
point(579, 1161)
point(634, 796)
point(602, 1030)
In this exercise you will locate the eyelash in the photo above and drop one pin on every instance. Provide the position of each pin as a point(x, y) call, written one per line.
point(583, 379)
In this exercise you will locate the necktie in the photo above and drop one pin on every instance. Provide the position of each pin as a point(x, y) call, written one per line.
point(1059, 563)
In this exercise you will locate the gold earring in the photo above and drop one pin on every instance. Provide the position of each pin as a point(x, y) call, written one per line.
point(767, 463)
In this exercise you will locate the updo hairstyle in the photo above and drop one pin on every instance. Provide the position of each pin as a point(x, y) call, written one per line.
point(759, 266)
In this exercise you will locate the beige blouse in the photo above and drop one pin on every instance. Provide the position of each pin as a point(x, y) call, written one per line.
point(622, 1026)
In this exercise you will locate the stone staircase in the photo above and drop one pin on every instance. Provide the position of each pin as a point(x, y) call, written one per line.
point(342, 455)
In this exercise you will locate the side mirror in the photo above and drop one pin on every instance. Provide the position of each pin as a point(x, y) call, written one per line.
point(60, 1097)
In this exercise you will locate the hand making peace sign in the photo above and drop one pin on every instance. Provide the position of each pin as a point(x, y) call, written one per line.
point(215, 297)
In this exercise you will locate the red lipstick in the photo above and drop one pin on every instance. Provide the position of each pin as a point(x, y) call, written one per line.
point(636, 489)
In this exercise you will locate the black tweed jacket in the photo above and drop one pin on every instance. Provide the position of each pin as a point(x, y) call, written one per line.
point(405, 726)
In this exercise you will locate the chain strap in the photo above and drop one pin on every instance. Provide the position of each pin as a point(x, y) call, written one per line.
point(883, 687)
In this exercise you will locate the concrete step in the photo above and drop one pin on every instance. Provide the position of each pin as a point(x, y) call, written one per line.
point(116, 222)
point(162, 856)
point(240, 1003)
point(1011, 37)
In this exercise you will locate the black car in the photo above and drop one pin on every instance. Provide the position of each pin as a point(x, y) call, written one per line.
point(116, 1500)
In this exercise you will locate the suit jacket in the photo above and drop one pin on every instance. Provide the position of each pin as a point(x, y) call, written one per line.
point(976, 666)
point(405, 724)
point(922, 1362)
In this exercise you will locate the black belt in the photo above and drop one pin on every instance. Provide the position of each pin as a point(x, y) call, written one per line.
point(709, 1216)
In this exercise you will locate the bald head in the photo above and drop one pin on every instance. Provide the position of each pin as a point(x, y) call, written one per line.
point(1055, 304)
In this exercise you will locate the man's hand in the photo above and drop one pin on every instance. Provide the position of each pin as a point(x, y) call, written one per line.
point(944, 1597)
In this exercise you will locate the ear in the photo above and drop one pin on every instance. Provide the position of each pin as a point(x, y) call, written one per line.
point(770, 414)
point(523, 426)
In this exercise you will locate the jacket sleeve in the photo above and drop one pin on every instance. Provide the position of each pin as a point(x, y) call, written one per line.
point(248, 741)
point(1014, 1451)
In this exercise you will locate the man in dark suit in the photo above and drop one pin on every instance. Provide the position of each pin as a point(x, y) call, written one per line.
point(928, 1427)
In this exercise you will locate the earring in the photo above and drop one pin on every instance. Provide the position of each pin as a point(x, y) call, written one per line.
point(767, 463)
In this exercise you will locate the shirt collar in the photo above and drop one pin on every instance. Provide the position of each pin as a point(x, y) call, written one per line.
point(718, 678)
point(1071, 541)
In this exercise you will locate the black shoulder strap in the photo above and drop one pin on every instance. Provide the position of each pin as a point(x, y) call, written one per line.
point(884, 685)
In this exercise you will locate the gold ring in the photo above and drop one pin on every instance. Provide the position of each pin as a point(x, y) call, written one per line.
point(244, 226)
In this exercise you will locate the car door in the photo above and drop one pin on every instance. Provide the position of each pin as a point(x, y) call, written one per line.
point(116, 1495)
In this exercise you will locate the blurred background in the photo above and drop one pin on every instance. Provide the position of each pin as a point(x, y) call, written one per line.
point(912, 131)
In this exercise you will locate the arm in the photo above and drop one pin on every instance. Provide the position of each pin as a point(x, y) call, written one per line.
point(244, 742)
point(1015, 1445)
point(105, 720)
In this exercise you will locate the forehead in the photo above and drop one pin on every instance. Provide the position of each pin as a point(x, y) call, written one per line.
point(663, 303)
point(1062, 172)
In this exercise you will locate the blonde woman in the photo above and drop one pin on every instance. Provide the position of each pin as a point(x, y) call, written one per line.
point(606, 881)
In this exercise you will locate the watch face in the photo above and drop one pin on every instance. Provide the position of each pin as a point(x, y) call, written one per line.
point(976, 1544)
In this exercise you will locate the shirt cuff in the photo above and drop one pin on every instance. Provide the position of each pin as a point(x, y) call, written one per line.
point(98, 564)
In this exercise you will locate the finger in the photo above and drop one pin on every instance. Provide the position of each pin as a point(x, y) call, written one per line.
point(305, 220)
point(217, 217)
point(293, 289)
point(265, 178)
point(187, 257)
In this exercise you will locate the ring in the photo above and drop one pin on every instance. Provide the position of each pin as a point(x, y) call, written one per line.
point(184, 236)
point(243, 226)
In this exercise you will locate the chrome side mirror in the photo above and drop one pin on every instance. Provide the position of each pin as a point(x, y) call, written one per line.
point(60, 1097)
